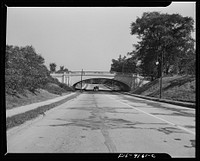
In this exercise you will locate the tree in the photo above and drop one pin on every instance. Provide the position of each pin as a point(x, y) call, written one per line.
point(62, 70)
point(123, 64)
point(13, 69)
point(117, 64)
point(34, 72)
point(161, 35)
point(25, 69)
point(65, 70)
point(52, 67)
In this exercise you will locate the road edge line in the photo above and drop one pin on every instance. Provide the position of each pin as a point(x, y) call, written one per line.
point(179, 103)
point(180, 127)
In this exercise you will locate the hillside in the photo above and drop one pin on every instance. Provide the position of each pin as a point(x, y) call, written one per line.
point(50, 91)
point(179, 88)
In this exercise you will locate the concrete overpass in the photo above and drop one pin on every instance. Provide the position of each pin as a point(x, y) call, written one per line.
point(73, 77)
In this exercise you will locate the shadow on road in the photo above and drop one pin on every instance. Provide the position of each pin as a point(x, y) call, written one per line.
point(98, 92)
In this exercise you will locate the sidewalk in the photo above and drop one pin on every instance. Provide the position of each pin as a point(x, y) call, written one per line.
point(22, 109)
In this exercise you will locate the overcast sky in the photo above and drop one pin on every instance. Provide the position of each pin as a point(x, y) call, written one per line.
point(80, 38)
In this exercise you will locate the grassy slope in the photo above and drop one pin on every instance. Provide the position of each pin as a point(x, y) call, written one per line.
point(28, 115)
point(51, 91)
point(180, 88)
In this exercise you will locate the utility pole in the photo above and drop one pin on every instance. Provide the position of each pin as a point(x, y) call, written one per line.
point(68, 80)
point(81, 80)
point(123, 68)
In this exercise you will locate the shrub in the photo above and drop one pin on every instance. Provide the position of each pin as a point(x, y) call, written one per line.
point(66, 87)
point(24, 69)
point(54, 88)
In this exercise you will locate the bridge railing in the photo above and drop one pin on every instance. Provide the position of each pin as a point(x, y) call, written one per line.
point(98, 73)
point(90, 72)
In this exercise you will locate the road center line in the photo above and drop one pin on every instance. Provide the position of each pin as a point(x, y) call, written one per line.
point(108, 141)
point(180, 127)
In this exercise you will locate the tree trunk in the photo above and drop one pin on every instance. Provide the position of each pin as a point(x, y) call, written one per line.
point(167, 69)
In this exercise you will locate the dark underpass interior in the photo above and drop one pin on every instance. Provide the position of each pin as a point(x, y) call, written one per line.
point(101, 84)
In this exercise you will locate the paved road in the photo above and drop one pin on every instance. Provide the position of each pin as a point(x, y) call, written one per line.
point(101, 87)
point(102, 122)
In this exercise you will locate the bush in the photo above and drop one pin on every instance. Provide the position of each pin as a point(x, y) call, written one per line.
point(54, 88)
point(13, 82)
point(24, 69)
point(66, 87)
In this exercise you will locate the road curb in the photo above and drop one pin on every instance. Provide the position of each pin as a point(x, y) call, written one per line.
point(185, 104)
point(23, 109)
point(21, 118)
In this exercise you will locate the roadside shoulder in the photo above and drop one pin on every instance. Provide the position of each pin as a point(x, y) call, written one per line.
point(22, 109)
point(185, 104)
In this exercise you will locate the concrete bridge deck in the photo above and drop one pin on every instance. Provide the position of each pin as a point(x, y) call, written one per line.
point(73, 77)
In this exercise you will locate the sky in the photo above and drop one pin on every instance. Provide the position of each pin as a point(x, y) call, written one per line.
point(79, 38)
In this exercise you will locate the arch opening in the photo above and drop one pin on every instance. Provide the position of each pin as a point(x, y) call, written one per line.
point(103, 83)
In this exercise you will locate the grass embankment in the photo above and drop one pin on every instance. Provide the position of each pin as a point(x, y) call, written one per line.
point(23, 117)
point(28, 98)
point(50, 91)
point(178, 88)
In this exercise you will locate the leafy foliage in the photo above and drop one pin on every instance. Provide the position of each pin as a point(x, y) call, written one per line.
point(52, 67)
point(62, 70)
point(164, 37)
point(123, 64)
point(24, 69)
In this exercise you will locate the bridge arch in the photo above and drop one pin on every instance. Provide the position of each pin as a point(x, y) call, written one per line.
point(73, 77)
point(107, 81)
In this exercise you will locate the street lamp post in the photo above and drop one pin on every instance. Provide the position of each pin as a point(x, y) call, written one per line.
point(161, 73)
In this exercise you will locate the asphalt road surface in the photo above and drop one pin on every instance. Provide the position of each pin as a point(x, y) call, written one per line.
point(101, 87)
point(103, 122)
